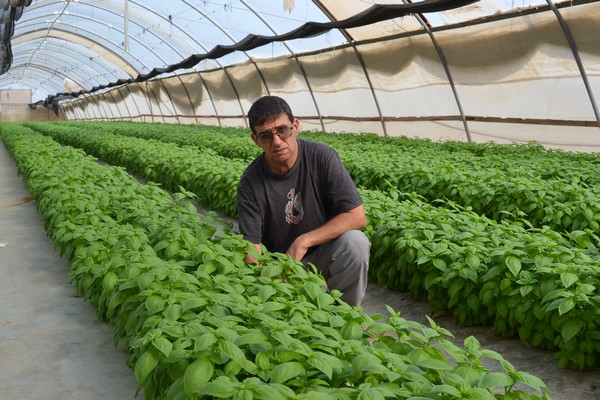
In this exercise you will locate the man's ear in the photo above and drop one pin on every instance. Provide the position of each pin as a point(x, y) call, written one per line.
point(255, 139)
point(297, 124)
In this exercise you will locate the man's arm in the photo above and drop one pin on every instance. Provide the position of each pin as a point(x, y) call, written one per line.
point(250, 259)
point(334, 228)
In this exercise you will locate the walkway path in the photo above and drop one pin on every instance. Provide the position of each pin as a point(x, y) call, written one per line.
point(52, 345)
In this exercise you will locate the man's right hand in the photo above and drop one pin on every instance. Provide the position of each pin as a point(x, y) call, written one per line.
point(249, 259)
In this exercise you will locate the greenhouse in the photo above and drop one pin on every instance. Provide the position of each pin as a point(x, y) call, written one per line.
point(465, 133)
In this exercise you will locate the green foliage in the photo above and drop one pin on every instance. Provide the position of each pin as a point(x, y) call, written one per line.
point(200, 323)
point(483, 270)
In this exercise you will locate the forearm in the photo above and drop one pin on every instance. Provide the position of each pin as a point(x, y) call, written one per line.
point(334, 228)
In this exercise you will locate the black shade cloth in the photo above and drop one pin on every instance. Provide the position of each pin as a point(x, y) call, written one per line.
point(375, 13)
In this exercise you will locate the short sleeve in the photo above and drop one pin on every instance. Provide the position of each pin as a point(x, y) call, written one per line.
point(249, 214)
point(342, 194)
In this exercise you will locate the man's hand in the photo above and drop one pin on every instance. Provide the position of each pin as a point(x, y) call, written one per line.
point(249, 259)
point(298, 248)
point(334, 228)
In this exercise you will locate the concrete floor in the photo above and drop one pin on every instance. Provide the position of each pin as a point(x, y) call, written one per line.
point(52, 345)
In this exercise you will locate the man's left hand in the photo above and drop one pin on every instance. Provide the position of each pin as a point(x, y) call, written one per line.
point(297, 249)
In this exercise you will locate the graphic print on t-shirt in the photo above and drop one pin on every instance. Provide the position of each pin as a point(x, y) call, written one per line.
point(294, 212)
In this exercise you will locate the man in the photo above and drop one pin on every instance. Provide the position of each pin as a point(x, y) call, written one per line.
point(298, 198)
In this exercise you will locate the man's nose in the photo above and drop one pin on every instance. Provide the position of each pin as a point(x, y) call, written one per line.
point(276, 138)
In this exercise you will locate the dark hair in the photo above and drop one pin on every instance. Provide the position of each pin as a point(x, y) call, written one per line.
point(268, 108)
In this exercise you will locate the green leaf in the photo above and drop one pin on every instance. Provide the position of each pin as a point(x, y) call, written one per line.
point(232, 351)
point(194, 302)
point(253, 337)
point(109, 281)
point(439, 264)
point(571, 328)
point(513, 264)
point(446, 389)
point(154, 304)
point(172, 312)
point(568, 278)
point(205, 342)
point(145, 365)
point(220, 388)
point(566, 306)
point(324, 299)
point(432, 363)
point(163, 345)
point(197, 374)
point(322, 365)
point(473, 261)
point(351, 331)
point(495, 380)
point(365, 362)
point(286, 371)
point(271, 270)
point(271, 306)
point(265, 291)
point(532, 381)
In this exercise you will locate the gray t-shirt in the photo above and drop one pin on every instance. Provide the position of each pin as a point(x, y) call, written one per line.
point(275, 209)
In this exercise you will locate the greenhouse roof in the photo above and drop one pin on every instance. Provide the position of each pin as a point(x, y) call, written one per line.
point(73, 45)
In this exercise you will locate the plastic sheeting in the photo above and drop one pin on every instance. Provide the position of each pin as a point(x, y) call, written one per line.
point(516, 79)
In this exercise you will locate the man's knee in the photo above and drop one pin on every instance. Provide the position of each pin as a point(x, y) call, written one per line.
point(356, 243)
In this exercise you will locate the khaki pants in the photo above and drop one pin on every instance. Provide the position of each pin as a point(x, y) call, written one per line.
point(344, 263)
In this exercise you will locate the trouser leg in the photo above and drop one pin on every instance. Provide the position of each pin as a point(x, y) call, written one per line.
point(344, 263)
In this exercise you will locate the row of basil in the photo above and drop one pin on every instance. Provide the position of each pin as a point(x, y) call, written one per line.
point(534, 190)
point(535, 284)
point(529, 159)
point(200, 323)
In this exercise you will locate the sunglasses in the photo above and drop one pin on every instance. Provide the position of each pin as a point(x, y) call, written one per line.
point(283, 131)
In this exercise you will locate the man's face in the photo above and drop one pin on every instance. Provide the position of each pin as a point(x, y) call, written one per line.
point(277, 138)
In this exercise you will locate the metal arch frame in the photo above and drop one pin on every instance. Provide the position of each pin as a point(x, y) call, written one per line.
point(295, 56)
point(147, 84)
point(440, 53)
point(34, 34)
point(103, 103)
point(111, 94)
point(575, 51)
point(117, 11)
point(112, 11)
point(40, 73)
point(144, 19)
point(216, 24)
point(35, 73)
point(444, 63)
point(199, 74)
point(95, 35)
point(78, 112)
point(115, 44)
point(71, 104)
point(63, 63)
point(361, 60)
point(91, 52)
point(54, 72)
point(205, 49)
point(66, 56)
point(137, 16)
